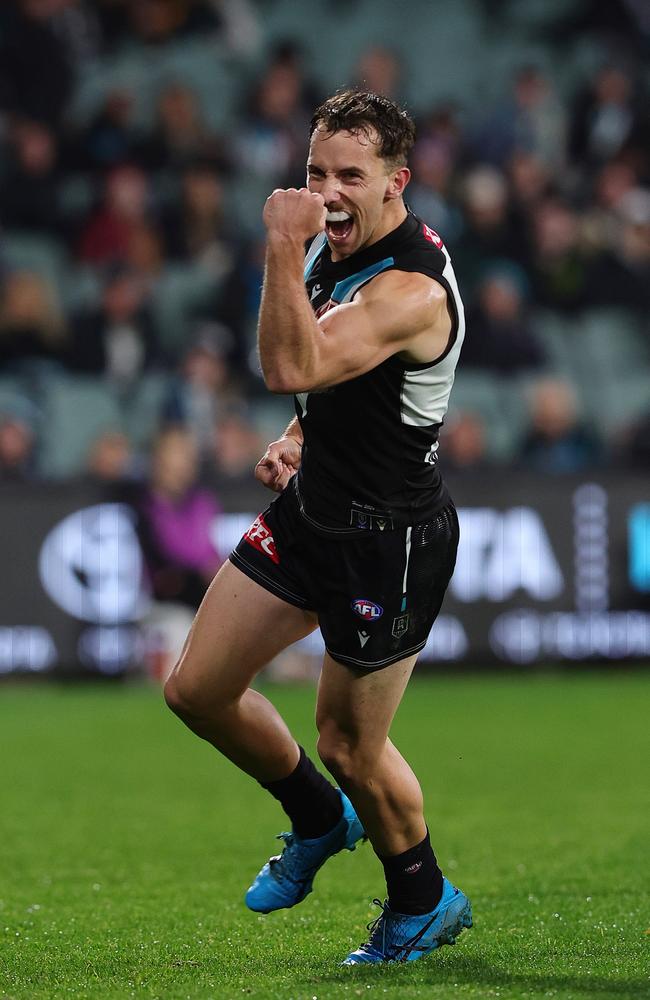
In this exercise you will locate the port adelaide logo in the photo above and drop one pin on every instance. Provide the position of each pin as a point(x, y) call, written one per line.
point(366, 609)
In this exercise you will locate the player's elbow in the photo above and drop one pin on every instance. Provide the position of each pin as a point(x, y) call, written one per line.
point(284, 382)
point(279, 385)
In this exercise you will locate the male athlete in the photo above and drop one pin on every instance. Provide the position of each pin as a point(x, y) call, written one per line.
point(365, 331)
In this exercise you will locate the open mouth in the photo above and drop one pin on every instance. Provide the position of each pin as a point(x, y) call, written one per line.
point(338, 226)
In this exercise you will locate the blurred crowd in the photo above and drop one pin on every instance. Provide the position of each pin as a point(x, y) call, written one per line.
point(154, 221)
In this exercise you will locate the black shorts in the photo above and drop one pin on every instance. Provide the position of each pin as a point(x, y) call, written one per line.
point(376, 593)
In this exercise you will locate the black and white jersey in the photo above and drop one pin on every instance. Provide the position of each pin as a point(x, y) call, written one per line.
point(370, 444)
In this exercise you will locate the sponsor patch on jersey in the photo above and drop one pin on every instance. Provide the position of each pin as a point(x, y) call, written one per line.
point(366, 609)
point(431, 235)
point(260, 537)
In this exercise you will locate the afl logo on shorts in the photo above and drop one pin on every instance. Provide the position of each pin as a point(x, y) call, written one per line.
point(367, 610)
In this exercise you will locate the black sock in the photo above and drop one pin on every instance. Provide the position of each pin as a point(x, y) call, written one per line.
point(413, 879)
point(312, 804)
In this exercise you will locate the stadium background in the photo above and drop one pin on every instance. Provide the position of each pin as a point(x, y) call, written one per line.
point(138, 142)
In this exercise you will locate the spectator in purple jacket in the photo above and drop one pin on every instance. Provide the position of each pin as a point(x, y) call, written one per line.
point(176, 520)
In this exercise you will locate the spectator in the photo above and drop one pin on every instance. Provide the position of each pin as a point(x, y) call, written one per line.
point(17, 443)
point(379, 71)
point(499, 335)
point(32, 325)
point(560, 268)
point(180, 136)
point(110, 460)
point(111, 139)
point(634, 449)
point(196, 226)
point(113, 17)
point(488, 227)
point(429, 193)
point(442, 125)
point(530, 182)
point(238, 447)
point(29, 192)
point(270, 142)
point(237, 307)
point(36, 74)
point(601, 220)
point(118, 338)
point(557, 441)
point(203, 389)
point(610, 119)
point(621, 277)
point(463, 443)
point(77, 25)
point(145, 253)
point(123, 213)
point(157, 21)
point(291, 53)
point(177, 520)
point(531, 120)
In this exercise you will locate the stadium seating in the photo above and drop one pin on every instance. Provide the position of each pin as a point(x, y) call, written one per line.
point(483, 395)
point(142, 407)
point(181, 290)
point(200, 63)
point(38, 253)
point(76, 410)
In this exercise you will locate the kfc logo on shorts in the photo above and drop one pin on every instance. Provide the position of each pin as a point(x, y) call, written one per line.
point(366, 609)
point(259, 536)
point(431, 235)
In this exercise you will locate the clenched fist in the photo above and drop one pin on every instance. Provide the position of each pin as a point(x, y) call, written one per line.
point(295, 214)
point(280, 462)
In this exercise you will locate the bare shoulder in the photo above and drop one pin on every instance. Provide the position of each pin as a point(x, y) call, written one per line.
point(410, 288)
point(397, 312)
point(414, 309)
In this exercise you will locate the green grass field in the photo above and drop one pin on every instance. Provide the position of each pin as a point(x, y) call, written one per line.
point(126, 845)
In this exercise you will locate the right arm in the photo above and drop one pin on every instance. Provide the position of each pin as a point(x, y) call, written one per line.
point(281, 459)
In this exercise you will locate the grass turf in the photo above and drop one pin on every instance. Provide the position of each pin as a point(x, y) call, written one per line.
point(127, 844)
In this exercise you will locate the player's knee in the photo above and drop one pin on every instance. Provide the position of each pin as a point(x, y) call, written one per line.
point(343, 757)
point(184, 699)
point(335, 755)
point(172, 694)
point(196, 705)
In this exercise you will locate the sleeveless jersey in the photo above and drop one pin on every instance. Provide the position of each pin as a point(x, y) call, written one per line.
point(370, 444)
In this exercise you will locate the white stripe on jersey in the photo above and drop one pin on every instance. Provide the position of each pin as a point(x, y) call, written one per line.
point(425, 391)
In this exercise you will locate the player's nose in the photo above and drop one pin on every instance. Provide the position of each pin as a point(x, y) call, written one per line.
point(331, 192)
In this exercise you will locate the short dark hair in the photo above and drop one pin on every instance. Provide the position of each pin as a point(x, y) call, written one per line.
point(359, 111)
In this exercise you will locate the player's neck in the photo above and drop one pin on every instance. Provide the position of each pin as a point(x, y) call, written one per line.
point(394, 215)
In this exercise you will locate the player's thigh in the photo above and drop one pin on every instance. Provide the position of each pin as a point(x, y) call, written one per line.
point(358, 708)
point(238, 628)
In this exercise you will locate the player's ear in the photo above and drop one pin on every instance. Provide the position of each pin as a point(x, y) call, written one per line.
point(397, 181)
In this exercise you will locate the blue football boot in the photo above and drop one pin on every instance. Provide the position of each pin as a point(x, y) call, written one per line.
point(399, 937)
point(287, 878)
